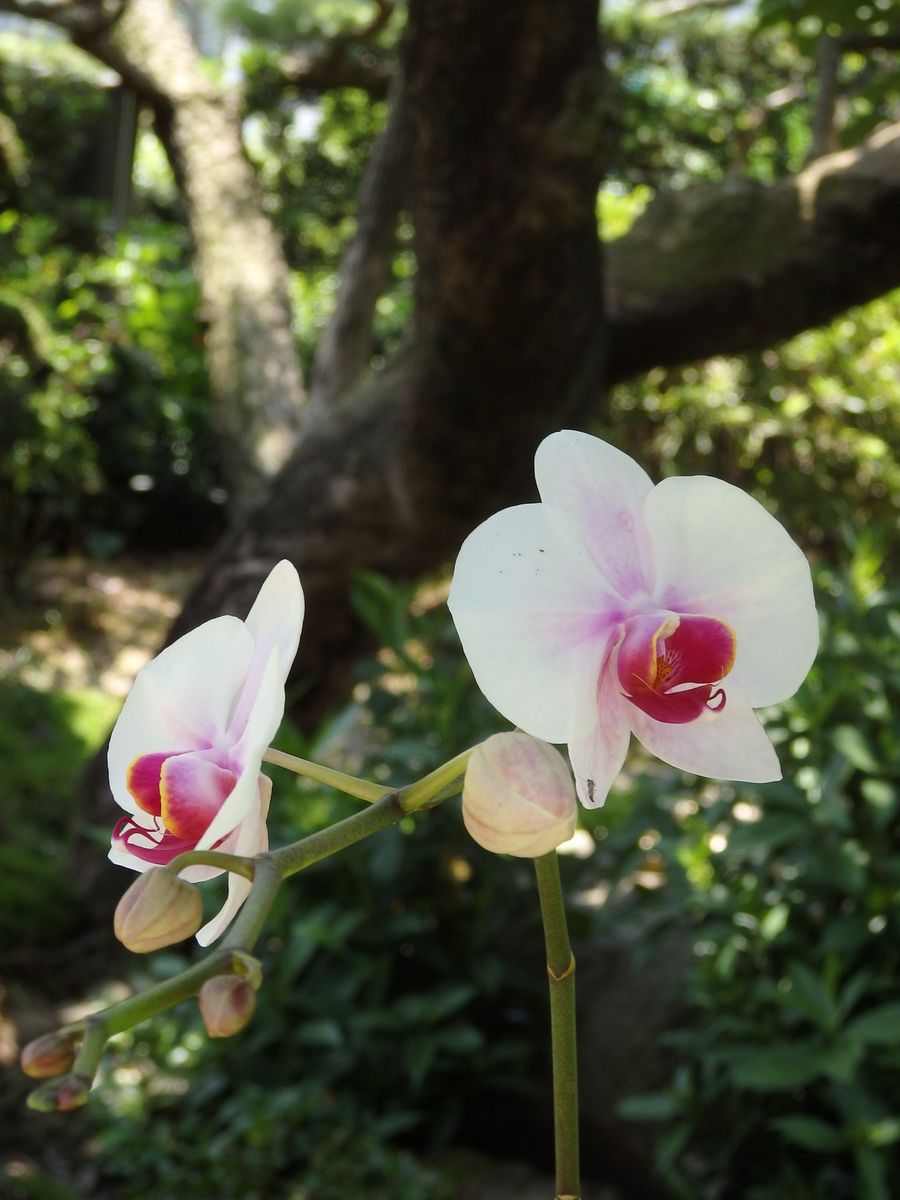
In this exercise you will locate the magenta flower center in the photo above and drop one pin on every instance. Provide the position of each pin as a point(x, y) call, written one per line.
point(669, 665)
point(183, 790)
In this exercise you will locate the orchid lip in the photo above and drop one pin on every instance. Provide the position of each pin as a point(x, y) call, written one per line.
point(670, 665)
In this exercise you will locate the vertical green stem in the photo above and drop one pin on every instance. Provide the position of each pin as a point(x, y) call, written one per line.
point(561, 970)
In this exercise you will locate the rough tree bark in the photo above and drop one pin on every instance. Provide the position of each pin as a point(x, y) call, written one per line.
point(345, 346)
point(251, 350)
point(506, 346)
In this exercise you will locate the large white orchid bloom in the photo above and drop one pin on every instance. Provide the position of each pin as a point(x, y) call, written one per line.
point(616, 607)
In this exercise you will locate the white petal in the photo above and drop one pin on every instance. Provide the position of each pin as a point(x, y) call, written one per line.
point(182, 699)
point(604, 491)
point(252, 839)
point(274, 622)
point(729, 744)
point(262, 725)
point(598, 758)
point(531, 610)
point(276, 618)
point(719, 553)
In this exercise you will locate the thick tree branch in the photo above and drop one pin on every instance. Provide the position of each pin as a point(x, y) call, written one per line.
point(726, 268)
point(348, 60)
point(337, 67)
point(346, 344)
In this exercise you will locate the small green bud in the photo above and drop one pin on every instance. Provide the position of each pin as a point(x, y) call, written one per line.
point(227, 1003)
point(49, 1055)
point(158, 910)
point(60, 1095)
point(518, 796)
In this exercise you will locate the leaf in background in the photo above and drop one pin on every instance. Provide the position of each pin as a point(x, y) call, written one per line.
point(810, 1132)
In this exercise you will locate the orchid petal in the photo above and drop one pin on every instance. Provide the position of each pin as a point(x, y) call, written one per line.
point(262, 726)
point(193, 789)
point(181, 700)
point(727, 744)
point(603, 491)
point(274, 621)
point(276, 618)
point(252, 839)
point(598, 758)
point(719, 553)
point(534, 616)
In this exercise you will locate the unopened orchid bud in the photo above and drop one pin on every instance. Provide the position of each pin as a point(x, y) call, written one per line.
point(227, 1003)
point(46, 1056)
point(158, 909)
point(518, 796)
point(60, 1095)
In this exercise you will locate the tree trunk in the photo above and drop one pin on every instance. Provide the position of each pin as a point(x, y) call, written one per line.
point(253, 364)
point(508, 340)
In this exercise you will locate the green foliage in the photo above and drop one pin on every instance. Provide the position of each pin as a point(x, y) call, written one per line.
point(106, 418)
point(63, 729)
point(402, 991)
point(794, 1028)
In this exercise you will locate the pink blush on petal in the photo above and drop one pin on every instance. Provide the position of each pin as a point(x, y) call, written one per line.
point(192, 790)
point(142, 780)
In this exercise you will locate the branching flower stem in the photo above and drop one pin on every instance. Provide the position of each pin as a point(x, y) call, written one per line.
point(266, 873)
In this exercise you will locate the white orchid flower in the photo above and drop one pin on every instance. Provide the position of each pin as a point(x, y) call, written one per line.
point(615, 607)
point(186, 751)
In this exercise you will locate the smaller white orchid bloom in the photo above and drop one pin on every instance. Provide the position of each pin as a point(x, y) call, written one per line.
point(185, 754)
point(616, 607)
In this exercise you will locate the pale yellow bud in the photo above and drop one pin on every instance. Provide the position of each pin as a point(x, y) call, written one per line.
point(518, 796)
point(46, 1056)
point(158, 910)
point(227, 1003)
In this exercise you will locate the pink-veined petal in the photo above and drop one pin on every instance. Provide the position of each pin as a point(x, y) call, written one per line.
point(181, 700)
point(274, 621)
point(252, 838)
point(719, 553)
point(604, 491)
point(193, 788)
point(598, 758)
point(727, 744)
point(534, 616)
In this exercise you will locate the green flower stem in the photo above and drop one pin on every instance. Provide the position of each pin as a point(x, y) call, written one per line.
point(437, 785)
point(349, 784)
point(266, 873)
point(561, 969)
point(90, 1051)
point(294, 858)
point(248, 924)
point(156, 999)
point(214, 858)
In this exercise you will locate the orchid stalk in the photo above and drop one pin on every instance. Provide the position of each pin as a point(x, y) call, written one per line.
point(611, 608)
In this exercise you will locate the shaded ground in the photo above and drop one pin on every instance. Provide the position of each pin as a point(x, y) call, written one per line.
point(80, 624)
